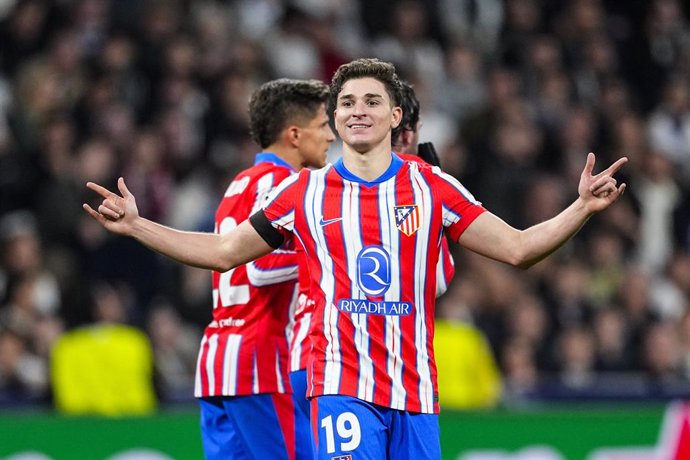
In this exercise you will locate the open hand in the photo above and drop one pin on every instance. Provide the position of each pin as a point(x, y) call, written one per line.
point(601, 190)
point(116, 213)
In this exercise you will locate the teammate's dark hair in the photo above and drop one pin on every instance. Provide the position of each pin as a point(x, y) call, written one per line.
point(279, 103)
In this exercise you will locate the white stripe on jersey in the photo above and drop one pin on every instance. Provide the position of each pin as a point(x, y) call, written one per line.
point(393, 335)
point(353, 245)
point(259, 277)
point(315, 188)
point(279, 375)
point(230, 363)
point(441, 285)
point(255, 377)
point(197, 376)
point(296, 351)
point(210, 359)
point(423, 197)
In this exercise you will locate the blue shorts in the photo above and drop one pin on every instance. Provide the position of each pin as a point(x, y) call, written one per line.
point(348, 428)
point(298, 381)
point(254, 426)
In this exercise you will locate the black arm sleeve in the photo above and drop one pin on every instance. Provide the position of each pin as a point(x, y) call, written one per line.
point(264, 228)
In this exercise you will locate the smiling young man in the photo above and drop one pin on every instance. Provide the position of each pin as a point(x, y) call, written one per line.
point(371, 225)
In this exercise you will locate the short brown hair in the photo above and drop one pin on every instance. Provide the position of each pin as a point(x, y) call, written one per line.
point(367, 67)
point(279, 103)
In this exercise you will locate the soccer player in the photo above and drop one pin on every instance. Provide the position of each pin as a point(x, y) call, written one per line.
point(242, 379)
point(371, 225)
point(405, 140)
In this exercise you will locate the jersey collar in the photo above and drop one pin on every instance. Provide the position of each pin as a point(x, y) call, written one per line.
point(271, 157)
point(392, 170)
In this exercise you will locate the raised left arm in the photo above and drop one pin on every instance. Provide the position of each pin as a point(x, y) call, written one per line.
point(490, 236)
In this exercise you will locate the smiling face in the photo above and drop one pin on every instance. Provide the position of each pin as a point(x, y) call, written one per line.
point(364, 114)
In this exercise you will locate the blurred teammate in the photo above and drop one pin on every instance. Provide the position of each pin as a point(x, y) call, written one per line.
point(247, 410)
point(371, 225)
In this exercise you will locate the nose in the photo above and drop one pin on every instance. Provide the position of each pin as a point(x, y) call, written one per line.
point(358, 109)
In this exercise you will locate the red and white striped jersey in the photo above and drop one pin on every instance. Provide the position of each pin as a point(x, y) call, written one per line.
point(372, 250)
point(244, 349)
point(301, 311)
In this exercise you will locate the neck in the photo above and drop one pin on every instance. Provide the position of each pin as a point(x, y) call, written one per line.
point(287, 154)
point(370, 164)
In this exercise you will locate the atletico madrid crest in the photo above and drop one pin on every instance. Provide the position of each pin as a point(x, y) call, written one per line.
point(407, 218)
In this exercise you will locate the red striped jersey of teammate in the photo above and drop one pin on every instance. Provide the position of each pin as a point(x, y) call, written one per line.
point(241, 351)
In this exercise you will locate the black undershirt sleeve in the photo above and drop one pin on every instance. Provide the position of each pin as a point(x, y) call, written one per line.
point(264, 228)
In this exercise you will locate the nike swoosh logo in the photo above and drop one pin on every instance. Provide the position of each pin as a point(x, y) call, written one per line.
point(323, 223)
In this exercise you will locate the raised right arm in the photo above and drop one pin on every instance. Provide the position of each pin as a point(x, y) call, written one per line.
point(119, 214)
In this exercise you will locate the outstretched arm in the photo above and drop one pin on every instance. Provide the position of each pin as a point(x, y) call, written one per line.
point(119, 214)
point(492, 237)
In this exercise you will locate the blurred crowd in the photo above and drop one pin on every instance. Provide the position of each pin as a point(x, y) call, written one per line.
point(514, 93)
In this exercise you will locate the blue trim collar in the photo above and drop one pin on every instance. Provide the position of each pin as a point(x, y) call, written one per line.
point(392, 170)
point(271, 157)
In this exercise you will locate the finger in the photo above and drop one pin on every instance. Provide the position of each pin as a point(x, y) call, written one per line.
point(605, 190)
point(589, 165)
point(123, 187)
point(602, 182)
point(98, 217)
point(113, 207)
point(109, 213)
point(611, 170)
point(102, 191)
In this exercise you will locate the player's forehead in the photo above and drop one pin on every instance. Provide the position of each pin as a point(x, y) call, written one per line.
point(358, 88)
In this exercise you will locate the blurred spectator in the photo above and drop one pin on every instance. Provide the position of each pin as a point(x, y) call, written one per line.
point(575, 357)
point(23, 376)
point(407, 43)
point(655, 52)
point(657, 195)
point(105, 368)
point(670, 289)
point(473, 21)
point(36, 290)
point(606, 257)
point(288, 48)
point(669, 126)
point(175, 346)
point(662, 356)
point(520, 371)
point(463, 89)
point(611, 336)
point(634, 298)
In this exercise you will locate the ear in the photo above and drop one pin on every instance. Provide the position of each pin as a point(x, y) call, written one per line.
point(292, 135)
point(396, 117)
